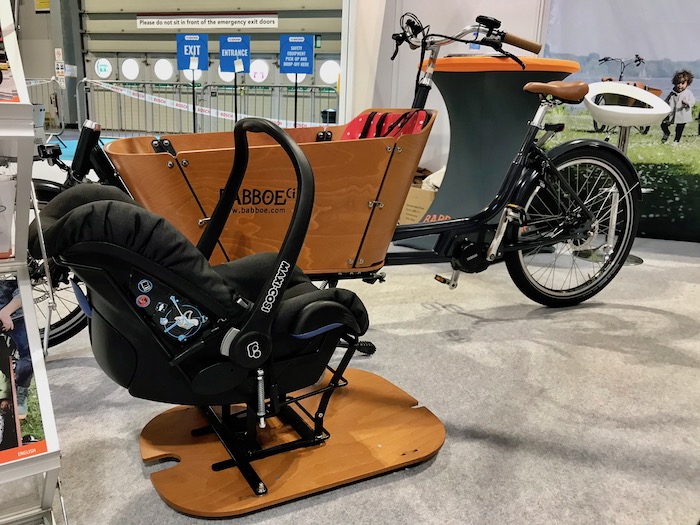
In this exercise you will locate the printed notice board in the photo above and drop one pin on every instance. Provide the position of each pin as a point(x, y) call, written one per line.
point(234, 53)
point(193, 51)
point(297, 54)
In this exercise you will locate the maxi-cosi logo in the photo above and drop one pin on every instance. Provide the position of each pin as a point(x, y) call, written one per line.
point(272, 293)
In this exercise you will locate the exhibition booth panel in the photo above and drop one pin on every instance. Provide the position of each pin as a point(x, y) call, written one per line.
point(489, 114)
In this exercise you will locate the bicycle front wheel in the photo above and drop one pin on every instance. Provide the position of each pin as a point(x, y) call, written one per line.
point(565, 273)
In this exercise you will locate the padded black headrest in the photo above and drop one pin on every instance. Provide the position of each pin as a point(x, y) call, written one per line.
point(102, 214)
point(70, 199)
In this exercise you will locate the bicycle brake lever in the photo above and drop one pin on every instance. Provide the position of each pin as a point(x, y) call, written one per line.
point(497, 45)
point(513, 57)
point(399, 38)
point(396, 52)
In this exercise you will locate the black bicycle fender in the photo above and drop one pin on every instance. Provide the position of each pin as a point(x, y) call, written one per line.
point(605, 146)
point(531, 175)
point(48, 186)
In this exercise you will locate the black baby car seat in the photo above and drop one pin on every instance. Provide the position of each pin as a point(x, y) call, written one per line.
point(170, 327)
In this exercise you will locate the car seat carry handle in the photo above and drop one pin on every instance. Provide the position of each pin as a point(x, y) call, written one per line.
point(251, 347)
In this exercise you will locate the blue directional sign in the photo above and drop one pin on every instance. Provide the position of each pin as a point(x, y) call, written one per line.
point(297, 54)
point(193, 52)
point(234, 53)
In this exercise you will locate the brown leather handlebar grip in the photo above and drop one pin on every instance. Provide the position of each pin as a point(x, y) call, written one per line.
point(522, 43)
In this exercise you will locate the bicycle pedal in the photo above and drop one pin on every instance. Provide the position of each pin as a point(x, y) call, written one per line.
point(441, 279)
point(452, 283)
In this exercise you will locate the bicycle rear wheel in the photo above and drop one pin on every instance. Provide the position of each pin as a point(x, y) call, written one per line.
point(67, 319)
point(567, 273)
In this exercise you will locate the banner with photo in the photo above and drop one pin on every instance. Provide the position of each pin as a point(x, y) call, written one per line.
point(649, 43)
point(7, 210)
point(21, 426)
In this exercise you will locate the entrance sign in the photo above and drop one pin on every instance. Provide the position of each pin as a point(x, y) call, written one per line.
point(234, 53)
point(193, 51)
point(297, 54)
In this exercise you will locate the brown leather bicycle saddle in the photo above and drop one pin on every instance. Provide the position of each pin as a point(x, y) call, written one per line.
point(566, 91)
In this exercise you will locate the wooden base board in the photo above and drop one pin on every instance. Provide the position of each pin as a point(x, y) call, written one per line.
point(375, 428)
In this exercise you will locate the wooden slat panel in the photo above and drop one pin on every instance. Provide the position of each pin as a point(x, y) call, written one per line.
point(150, 43)
point(124, 25)
point(409, 149)
point(348, 175)
point(160, 189)
point(187, 6)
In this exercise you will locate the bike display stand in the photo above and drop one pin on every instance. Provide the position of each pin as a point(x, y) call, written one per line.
point(29, 472)
point(375, 428)
point(489, 113)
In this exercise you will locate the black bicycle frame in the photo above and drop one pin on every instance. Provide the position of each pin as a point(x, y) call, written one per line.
point(451, 231)
point(530, 161)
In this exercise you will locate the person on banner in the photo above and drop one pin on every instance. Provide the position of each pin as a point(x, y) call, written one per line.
point(681, 100)
point(8, 436)
point(12, 323)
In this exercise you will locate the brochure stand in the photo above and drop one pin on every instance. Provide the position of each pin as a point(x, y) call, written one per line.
point(29, 456)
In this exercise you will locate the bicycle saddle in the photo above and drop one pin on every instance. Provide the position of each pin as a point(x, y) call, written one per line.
point(567, 91)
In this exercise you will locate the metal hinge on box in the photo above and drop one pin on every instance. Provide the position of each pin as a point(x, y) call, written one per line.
point(377, 204)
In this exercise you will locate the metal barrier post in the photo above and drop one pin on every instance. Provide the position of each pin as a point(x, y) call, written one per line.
point(48, 92)
point(116, 105)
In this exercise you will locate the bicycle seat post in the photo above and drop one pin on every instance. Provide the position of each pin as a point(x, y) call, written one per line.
point(542, 110)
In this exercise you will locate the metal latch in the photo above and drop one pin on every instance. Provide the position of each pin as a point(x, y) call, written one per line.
point(378, 204)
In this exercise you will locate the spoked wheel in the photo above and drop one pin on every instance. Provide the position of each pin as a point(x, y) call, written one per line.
point(564, 273)
point(67, 319)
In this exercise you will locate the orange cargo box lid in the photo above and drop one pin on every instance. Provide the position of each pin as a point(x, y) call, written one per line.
point(476, 64)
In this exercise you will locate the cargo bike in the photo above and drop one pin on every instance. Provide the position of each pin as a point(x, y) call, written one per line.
point(563, 221)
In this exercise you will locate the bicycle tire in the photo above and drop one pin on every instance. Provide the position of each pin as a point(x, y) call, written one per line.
point(568, 273)
point(67, 319)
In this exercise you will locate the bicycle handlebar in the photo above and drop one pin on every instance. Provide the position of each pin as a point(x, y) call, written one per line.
point(484, 32)
point(624, 61)
point(415, 34)
point(522, 43)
